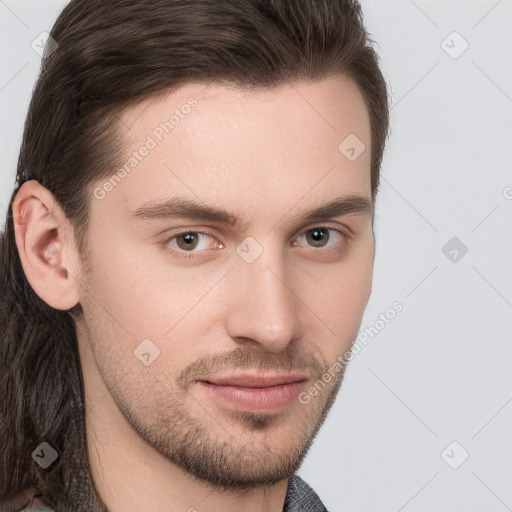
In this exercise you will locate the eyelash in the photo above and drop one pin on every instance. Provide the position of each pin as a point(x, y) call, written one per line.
point(180, 253)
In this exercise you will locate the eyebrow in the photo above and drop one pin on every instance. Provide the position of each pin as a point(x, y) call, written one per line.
point(179, 207)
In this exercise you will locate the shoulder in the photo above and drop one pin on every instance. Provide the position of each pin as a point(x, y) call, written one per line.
point(300, 497)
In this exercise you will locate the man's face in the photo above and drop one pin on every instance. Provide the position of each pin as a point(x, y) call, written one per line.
point(241, 318)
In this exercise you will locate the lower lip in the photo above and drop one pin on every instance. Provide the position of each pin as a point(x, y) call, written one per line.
point(270, 398)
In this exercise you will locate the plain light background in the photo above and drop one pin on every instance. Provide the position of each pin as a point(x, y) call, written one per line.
point(433, 385)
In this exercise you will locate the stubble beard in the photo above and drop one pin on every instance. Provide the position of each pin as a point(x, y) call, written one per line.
point(210, 449)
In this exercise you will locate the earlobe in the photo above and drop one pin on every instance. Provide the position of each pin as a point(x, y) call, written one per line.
point(46, 246)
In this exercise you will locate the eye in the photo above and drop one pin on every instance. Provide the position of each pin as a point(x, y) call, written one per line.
point(321, 237)
point(191, 242)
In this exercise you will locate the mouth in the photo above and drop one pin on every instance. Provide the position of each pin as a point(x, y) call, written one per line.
point(255, 391)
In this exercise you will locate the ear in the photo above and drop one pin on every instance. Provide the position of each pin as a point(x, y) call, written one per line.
point(46, 245)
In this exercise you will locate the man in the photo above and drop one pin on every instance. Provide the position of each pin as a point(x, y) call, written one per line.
point(188, 253)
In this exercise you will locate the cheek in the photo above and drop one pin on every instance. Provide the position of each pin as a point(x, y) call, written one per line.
point(338, 296)
point(144, 293)
point(136, 296)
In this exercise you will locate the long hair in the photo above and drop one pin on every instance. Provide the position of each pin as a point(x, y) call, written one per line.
point(109, 55)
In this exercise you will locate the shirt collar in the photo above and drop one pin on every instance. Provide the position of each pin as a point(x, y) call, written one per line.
point(300, 497)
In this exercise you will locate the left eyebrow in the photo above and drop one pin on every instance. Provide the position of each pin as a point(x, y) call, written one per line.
point(338, 207)
point(191, 209)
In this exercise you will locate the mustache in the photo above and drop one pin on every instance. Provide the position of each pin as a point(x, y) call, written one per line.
point(292, 358)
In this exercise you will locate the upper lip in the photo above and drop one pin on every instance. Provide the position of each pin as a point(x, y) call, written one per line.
point(256, 380)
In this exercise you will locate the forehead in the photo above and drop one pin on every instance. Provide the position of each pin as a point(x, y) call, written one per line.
point(331, 106)
point(226, 145)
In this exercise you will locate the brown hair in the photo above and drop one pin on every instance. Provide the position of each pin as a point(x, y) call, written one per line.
point(112, 54)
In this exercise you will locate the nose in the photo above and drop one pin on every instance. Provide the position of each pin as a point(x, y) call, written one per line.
point(263, 310)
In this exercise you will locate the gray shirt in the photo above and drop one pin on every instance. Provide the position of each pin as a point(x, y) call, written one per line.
point(301, 498)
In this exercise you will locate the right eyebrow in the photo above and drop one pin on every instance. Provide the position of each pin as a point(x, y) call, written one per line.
point(185, 208)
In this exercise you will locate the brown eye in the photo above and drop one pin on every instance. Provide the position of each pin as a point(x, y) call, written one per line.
point(322, 240)
point(191, 244)
point(318, 237)
point(187, 241)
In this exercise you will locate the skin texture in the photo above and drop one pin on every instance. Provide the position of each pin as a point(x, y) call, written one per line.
point(157, 438)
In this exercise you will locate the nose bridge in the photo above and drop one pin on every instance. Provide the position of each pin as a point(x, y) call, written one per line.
point(263, 308)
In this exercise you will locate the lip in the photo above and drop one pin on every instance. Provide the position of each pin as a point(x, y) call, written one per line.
point(256, 380)
point(256, 391)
